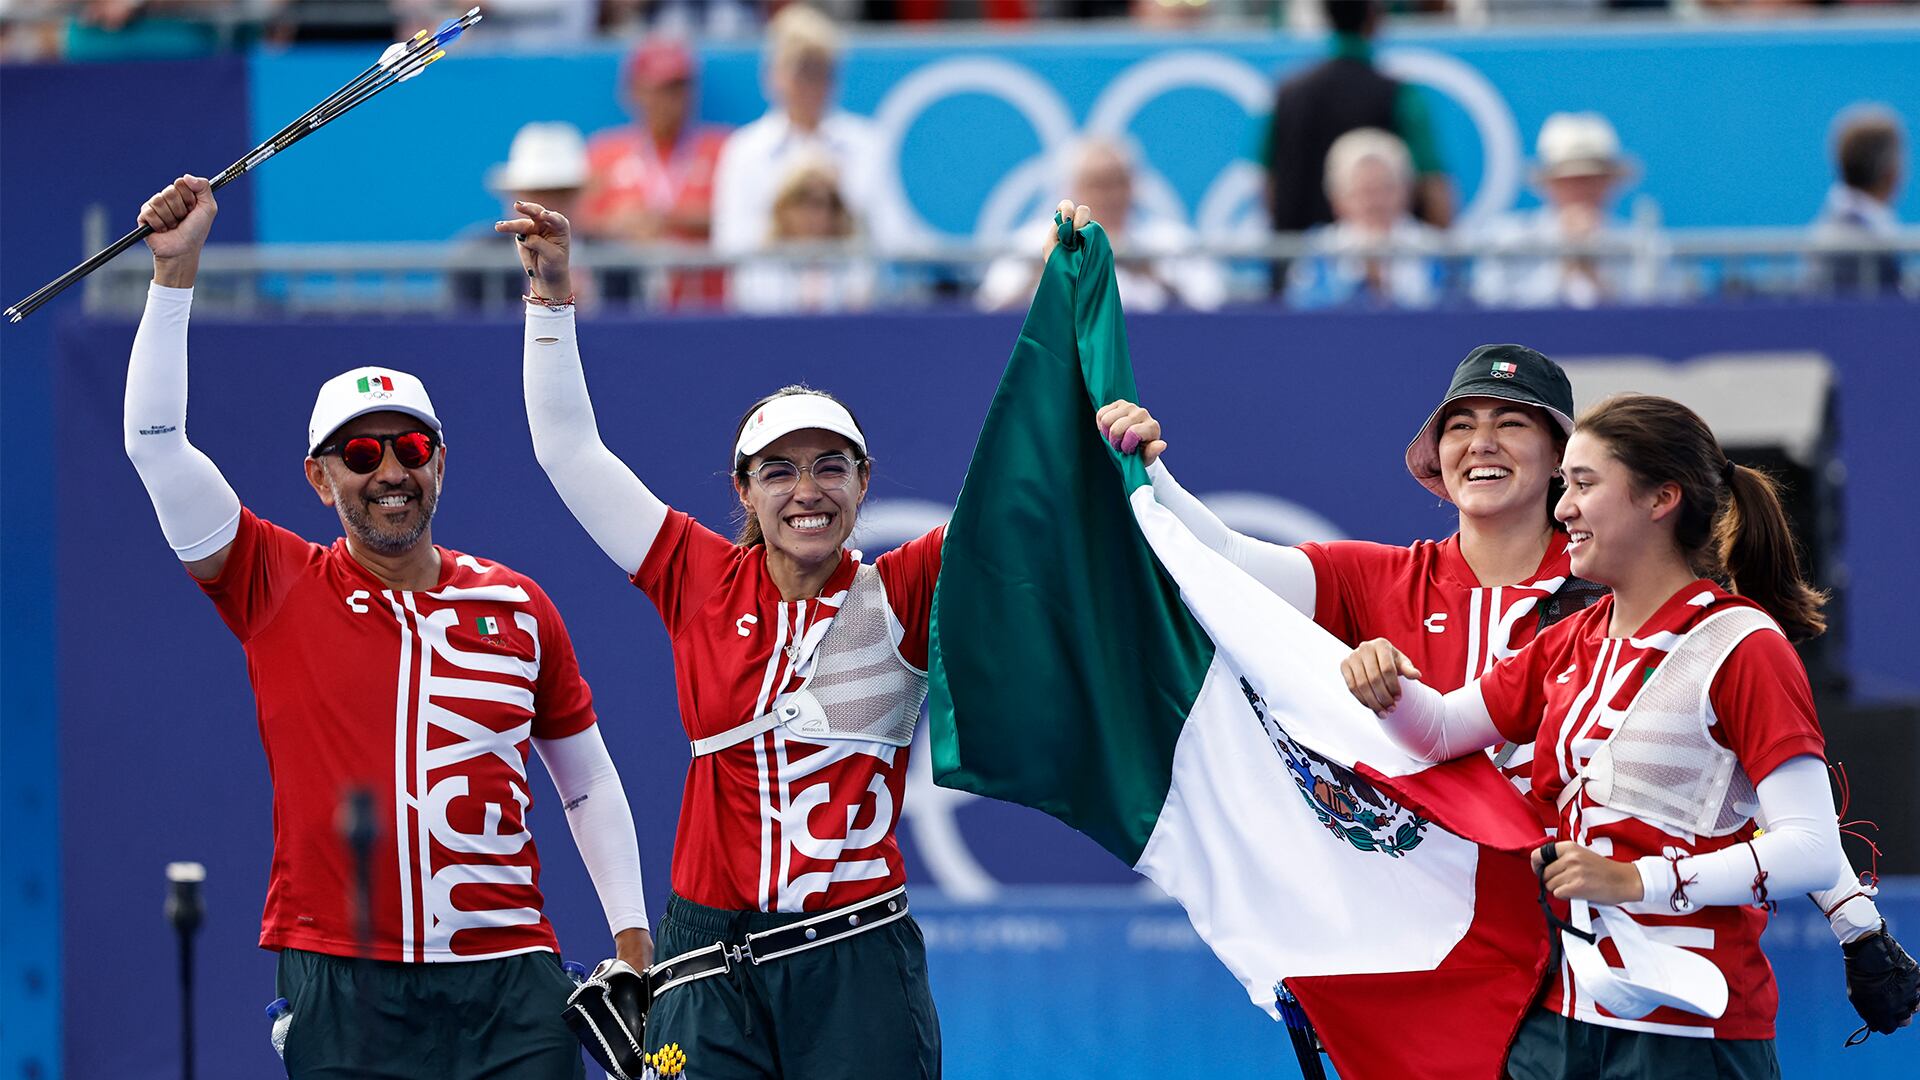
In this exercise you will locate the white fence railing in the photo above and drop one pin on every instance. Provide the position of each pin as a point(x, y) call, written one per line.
point(1684, 266)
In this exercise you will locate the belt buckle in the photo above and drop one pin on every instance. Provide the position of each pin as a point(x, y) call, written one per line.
point(736, 954)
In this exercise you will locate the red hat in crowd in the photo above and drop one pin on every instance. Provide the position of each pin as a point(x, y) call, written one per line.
point(657, 61)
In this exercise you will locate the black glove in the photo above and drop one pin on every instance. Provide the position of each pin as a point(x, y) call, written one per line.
point(1883, 982)
point(608, 1014)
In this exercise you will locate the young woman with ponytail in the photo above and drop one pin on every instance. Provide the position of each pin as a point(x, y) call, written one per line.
point(1682, 818)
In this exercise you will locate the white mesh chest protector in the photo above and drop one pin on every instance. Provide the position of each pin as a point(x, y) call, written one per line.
point(857, 686)
point(1662, 763)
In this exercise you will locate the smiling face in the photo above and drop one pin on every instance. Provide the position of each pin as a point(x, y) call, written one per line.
point(389, 510)
point(810, 524)
point(1496, 457)
point(1611, 523)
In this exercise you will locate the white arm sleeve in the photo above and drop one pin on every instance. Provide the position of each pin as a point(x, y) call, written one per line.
point(199, 513)
point(1800, 849)
point(602, 823)
point(618, 511)
point(1440, 727)
point(1848, 905)
point(1286, 571)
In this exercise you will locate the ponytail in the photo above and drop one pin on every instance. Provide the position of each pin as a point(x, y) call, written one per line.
point(1755, 544)
point(1731, 524)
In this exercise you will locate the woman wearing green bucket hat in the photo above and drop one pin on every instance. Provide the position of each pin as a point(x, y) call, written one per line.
point(1491, 447)
point(1455, 607)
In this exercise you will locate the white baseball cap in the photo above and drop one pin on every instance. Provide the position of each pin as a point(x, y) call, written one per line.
point(1579, 144)
point(353, 394)
point(544, 157)
point(796, 412)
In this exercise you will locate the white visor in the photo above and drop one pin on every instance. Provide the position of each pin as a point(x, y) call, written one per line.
point(797, 412)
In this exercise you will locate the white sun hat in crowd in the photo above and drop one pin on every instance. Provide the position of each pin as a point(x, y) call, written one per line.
point(545, 156)
point(1580, 144)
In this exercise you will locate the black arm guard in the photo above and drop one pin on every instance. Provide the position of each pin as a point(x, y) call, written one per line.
point(608, 1014)
point(1883, 982)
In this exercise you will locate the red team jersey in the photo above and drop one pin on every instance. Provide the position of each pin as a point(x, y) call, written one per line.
point(1427, 601)
point(426, 699)
point(777, 823)
point(1571, 688)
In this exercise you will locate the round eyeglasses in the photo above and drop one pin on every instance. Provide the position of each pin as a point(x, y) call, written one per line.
point(831, 472)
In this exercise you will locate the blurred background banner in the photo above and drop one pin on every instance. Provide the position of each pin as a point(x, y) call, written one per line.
point(1730, 125)
point(1271, 421)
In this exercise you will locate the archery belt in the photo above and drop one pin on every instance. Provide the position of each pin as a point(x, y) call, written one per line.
point(770, 945)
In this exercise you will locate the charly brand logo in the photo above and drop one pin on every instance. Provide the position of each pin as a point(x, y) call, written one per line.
point(1350, 807)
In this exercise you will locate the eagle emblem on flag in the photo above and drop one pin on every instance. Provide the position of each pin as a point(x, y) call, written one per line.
point(1350, 807)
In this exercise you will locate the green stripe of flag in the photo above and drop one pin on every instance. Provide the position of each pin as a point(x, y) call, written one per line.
point(1056, 633)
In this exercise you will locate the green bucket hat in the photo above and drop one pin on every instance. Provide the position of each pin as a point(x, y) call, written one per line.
point(1508, 372)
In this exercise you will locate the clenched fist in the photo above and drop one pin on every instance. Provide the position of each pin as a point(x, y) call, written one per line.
point(180, 215)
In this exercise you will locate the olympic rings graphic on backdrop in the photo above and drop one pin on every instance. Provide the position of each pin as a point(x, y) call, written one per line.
point(1012, 83)
point(1232, 197)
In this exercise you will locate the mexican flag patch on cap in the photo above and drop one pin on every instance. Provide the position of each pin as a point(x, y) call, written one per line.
point(487, 625)
point(1504, 370)
point(370, 383)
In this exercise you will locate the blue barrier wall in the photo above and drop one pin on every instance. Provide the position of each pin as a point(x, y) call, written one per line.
point(160, 760)
point(71, 140)
point(1730, 126)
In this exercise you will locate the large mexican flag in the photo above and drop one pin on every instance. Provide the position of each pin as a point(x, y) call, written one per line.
point(1094, 660)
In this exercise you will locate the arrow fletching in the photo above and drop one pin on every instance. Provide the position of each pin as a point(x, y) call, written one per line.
point(423, 66)
point(451, 30)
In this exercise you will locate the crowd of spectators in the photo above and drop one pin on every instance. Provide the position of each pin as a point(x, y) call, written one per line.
point(98, 29)
point(779, 215)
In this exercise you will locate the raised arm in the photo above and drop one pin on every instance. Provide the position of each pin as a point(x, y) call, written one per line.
point(1284, 570)
point(618, 511)
point(198, 510)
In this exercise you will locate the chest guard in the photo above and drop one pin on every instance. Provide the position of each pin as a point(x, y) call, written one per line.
point(857, 688)
point(1661, 763)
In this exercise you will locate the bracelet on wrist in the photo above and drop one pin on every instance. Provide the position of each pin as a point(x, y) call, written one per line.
point(549, 303)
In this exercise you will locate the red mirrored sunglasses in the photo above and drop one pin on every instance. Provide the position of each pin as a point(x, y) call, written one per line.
point(363, 453)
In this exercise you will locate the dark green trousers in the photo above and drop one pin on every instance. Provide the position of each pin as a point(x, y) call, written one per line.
point(1553, 1047)
point(378, 1020)
point(857, 1009)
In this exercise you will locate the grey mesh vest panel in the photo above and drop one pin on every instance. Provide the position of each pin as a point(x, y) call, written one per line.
point(1662, 763)
point(863, 689)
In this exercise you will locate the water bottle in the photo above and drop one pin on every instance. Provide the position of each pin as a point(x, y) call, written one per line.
point(281, 1013)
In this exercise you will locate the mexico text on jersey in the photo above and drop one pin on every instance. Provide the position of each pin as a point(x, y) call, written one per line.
point(426, 700)
point(780, 821)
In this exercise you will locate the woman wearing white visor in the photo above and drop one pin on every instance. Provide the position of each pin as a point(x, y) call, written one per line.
point(801, 671)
